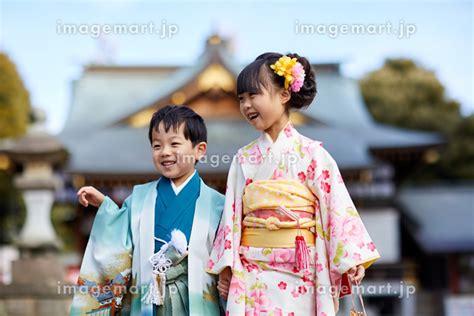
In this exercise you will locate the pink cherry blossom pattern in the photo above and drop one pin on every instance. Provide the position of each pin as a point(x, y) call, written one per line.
point(281, 255)
point(371, 246)
point(295, 292)
point(319, 267)
point(282, 285)
point(278, 312)
point(237, 287)
point(356, 256)
point(277, 174)
point(302, 176)
point(255, 156)
point(226, 230)
point(302, 289)
point(288, 130)
point(325, 174)
point(311, 169)
point(326, 187)
point(210, 264)
point(261, 301)
point(251, 266)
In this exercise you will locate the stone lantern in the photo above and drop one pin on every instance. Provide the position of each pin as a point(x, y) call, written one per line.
point(36, 274)
point(37, 154)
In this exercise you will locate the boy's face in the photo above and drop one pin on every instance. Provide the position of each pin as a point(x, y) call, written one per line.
point(174, 156)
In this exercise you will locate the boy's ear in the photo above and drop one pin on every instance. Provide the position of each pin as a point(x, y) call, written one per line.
point(201, 149)
point(285, 96)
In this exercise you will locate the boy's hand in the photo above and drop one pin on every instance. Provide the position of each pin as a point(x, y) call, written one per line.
point(224, 282)
point(356, 274)
point(90, 195)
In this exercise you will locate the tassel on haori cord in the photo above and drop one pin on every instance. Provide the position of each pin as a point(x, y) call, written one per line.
point(161, 263)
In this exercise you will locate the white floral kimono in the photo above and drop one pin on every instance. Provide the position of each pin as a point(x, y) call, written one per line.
point(257, 240)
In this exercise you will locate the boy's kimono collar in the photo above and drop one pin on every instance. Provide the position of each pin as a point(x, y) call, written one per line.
point(175, 211)
point(197, 240)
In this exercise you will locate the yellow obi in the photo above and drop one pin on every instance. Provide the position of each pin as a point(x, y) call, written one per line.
point(265, 225)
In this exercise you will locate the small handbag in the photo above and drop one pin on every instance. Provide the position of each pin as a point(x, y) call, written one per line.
point(354, 311)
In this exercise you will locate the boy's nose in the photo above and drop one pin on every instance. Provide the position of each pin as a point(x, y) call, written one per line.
point(165, 151)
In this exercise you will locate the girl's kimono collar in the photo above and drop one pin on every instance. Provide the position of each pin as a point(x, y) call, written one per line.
point(261, 158)
point(265, 142)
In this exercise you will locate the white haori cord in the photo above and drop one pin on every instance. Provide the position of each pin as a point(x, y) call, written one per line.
point(160, 264)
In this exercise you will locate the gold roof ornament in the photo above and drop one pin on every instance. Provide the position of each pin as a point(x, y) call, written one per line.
point(178, 98)
point(216, 77)
point(214, 40)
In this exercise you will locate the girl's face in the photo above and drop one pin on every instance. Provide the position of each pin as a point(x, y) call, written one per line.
point(266, 109)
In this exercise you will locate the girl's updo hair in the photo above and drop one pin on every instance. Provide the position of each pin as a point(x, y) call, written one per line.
point(258, 74)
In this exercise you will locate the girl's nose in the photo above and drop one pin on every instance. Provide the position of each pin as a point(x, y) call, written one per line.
point(246, 103)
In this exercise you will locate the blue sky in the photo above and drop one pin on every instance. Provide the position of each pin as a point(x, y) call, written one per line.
point(48, 61)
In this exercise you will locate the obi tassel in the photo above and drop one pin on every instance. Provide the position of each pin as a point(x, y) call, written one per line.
point(301, 253)
point(302, 259)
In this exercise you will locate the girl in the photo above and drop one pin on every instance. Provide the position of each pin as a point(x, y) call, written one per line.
point(290, 238)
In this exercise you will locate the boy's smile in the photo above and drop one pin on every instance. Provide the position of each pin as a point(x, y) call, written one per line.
point(174, 156)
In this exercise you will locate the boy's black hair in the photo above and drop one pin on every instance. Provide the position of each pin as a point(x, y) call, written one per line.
point(172, 116)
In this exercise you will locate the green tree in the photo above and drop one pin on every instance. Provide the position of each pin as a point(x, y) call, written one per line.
point(14, 119)
point(406, 95)
point(14, 100)
point(12, 209)
point(457, 160)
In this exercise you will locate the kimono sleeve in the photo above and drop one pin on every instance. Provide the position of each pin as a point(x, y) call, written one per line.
point(106, 266)
point(347, 241)
point(225, 250)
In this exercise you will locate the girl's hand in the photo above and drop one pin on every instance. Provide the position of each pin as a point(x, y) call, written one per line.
point(224, 282)
point(90, 195)
point(356, 274)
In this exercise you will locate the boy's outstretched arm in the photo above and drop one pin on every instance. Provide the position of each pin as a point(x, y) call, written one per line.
point(107, 260)
point(90, 195)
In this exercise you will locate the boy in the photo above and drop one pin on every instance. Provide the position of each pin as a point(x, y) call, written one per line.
point(129, 249)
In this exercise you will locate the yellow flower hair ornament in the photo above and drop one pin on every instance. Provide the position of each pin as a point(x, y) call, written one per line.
point(292, 70)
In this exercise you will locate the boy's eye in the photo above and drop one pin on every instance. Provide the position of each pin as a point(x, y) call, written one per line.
point(156, 147)
point(175, 144)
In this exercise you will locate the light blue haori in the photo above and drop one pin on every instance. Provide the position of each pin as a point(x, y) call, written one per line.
point(116, 271)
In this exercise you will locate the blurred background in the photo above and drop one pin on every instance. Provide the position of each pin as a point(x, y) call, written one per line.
point(80, 79)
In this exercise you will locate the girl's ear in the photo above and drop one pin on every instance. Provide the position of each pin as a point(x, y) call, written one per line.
point(285, 96)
